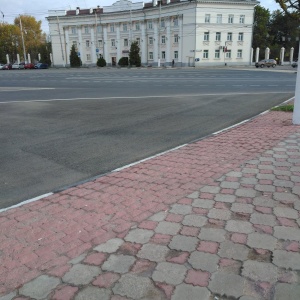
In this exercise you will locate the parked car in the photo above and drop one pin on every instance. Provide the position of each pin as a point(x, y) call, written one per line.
point(6, 67)
point(41, 66)
point(266, 62)
point(295, 64)
point(29, 66)
point(17, 66)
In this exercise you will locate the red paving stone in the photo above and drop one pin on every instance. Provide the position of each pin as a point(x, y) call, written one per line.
point(198, 278)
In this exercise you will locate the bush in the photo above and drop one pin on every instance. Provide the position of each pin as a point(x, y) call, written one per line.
point(123, 61)
point(101, 62)
point(134, 55)
point(75, 60)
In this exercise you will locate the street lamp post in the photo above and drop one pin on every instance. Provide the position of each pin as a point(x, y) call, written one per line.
point(24, 51)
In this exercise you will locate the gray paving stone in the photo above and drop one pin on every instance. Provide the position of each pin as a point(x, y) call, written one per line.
point(220, 214)
point(160, 216)
point(139, 236)
point(283, 183)
point(295, 169)
point(225, 198)
point(296, 190)
point(265, 176)
point(266, 159)
point(204, 261)
point(246, 180)
point(78, 259)
point(110, 246)
point(93, 293)
point(263, 219)
point(9, 296)
point(210, 189)
point(286, 259)
point(181, 209)
point(253, 162)
point(248, 193)
point(190, 292)
point(261, 241)
point(239, 226)
point(297, 205)
point(230, 185)
point(284, 291)
point(250, 171)
point(40, 287)
point(242, 208)
point(223, 283)
point(259, 271)
point(203, 203)
point(265, 188)
point(194, 195)
point(81, 274)
point(212, 234)
point(229, 249)
point(285, 197)
point(169, 273)
point(280, 149)
point(282, 164)
point(263, 201)
point(282, 173)
point(295, 178)
point(167, 228)
point(153, 252)
point(235, 174)
point(286, 212)
point(266, 167)
point(194, 220)
point(287, 233)
point(136, 287)
point(280, 156)
point(118, 263)
point(184, 243)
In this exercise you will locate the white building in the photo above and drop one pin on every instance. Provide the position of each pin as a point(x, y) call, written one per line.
point(192, 33)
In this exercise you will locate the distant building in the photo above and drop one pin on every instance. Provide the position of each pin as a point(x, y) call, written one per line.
point(193, 33)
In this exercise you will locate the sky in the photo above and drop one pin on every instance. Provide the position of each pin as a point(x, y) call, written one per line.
point(39, 9)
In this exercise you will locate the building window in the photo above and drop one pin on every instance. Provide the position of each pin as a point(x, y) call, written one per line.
point(218, 36)
point(75, 44)
point(206, 36)
point(150, 40)
point(150, 55)
point(163, 54)
point(73, 30)
point(137, 26)
point(87, 43)
point(176, 54)
point(163, 39)
point(242, 19)
point(230, 19)
point(241, 36)
point(100, 43)
point(138, 41)
point(240, 53)
point(112, 28)
point(176, 38)
point(86, 29)
point(217, 53)
point(125, 42)
point(99, 28)
point(125, 27)
point(150, 25)
point(88, 57)
point(205, 53)
point(219, 19)
point(175, 21)
point(228, 53)
point(207, 18)
point(229, 36)
point(113, 43)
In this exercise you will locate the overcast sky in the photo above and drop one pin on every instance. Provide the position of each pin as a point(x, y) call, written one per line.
point(39, 9)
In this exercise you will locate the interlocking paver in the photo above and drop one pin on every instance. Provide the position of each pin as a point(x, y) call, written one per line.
point(93, 293)
point(153, 252)
point(181, 209)
point(212, 234)
point(210, 189)
point(225, 198)
point(263, 219)
point(167, 228)
point(169, 273)
point(247, 193)
point(190, 292)
point(229, 185)
point(183, 243)
point(194, 220)
point(261, 241)
point(287, 291)
point(219, 214)
point(265, 188)
point(118, 263)
point(242, 208)
point(287, 233)
point(203, 203)
point(260, 271)
point(110, 246)
point(239, 226)
point(286, 259)
point(264, 201)
point(204, 261)
point(232, 250)
point(81, 274)
point(285, 197)
point(286, 212)
point(140, 236)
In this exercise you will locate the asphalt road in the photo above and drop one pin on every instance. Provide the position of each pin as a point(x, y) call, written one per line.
point(60, 127)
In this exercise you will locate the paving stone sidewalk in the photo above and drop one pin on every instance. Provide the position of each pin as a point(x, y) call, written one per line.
point(216, 219)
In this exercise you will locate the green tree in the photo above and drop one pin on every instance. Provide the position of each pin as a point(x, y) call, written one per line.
point(75, 60)
point(291, 8)
point(45, 50)
point(261, 27)
point(101, 62)
point(134, 55)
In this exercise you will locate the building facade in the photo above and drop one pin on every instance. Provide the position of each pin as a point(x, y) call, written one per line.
point(192, 33)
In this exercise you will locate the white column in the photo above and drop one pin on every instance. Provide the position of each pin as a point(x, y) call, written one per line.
point(119, 44)
point(291, 54)
point(106, 44)
point(39, 56)
point(168, 41)
point(18, 58)
point(29, 58)
point(51, 58)
point(67, 44)
point(144, 44)
point(251, 56)
point(257, 55)
point(93, 45)
point(80, 42)
point(7, 58)
point(156, 55)
point(180, 41)
point(282, 55)
point(267, 53)
point(296, 113)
